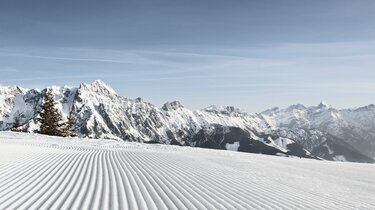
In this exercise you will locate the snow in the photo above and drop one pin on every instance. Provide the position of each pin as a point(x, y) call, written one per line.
point(233, 147)
point(328, 148)
point(324, 105)
point(39, 172)
point(339, 158)
point(101, 113)
point(356, 126)
point(282, 143)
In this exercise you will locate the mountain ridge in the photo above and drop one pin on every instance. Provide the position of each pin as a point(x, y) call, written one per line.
point(102, 113)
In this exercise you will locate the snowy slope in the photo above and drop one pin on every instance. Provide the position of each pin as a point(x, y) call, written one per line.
point(40, 172)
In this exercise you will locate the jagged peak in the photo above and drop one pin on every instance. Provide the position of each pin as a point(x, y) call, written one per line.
point(138, 100)
point(324, 105)
point(271, 111)
point(98, 86)
point(222, 109)
point(99, 82)
point(12, 90)
point(368, 107)
point(296, 106)
point(212, 108)
point(55, 88)
point(174, 105)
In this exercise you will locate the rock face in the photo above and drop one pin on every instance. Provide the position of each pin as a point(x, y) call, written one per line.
point(101, 113)
point(338, 150)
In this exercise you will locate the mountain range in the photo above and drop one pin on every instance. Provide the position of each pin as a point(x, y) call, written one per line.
point(320, 132)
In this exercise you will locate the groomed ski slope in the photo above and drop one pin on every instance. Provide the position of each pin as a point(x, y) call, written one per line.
point(38, 172)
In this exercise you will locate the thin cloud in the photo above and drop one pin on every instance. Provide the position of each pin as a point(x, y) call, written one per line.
point(66, 58)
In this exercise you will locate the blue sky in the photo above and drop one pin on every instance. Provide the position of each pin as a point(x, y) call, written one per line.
point(253, 54)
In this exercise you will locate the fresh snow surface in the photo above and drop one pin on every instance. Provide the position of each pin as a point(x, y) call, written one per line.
point(39, 172)
point(233, 147)
point(339, 158)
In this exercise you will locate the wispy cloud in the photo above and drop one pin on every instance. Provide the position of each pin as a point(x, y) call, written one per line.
point(9, 70)
point(287, 72)
point(66, 58)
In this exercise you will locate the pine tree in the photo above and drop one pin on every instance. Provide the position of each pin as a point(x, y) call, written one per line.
point(16, 125)
point(70, 126)
point(49, 117)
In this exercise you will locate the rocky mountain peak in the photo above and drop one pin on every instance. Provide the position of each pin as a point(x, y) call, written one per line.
point(296, 107)
point(223, 109)
point(174, 105)
point(366, 108)
point(324, 105)
point(271, 111)
point(98, 86)
point(12, 90)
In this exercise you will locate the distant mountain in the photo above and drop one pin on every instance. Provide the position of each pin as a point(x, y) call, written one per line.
point(324, 145)
point(101, 113)
point(355, 126)
point(338, 150)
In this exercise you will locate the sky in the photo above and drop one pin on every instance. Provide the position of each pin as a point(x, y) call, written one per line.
point(252, 54)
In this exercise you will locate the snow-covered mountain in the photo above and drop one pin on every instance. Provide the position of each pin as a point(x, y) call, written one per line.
point(101, 113)
point(355, 126)
point(323, 145)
